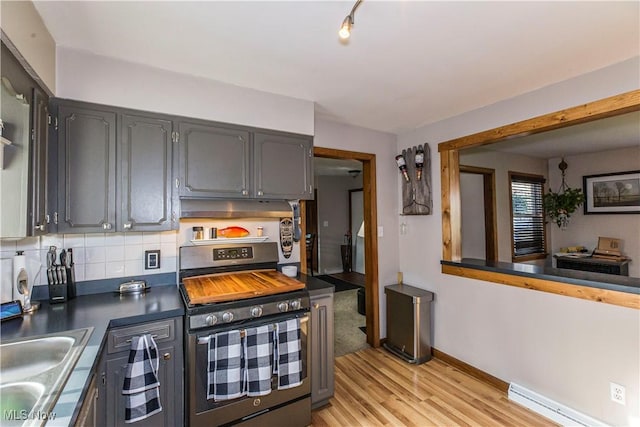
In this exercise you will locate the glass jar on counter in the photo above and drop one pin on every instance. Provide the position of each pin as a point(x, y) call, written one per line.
point(198, 233)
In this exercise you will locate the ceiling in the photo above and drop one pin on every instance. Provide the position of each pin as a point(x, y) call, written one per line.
point(336, 167)
point(407, 64)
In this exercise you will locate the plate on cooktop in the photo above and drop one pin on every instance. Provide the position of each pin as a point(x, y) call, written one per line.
point(222, 240)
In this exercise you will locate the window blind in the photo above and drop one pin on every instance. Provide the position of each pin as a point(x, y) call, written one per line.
point(527, 215)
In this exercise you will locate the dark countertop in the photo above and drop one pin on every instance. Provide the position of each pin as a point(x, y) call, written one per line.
point(315, 286)
point(572, 277)
point(100, 311)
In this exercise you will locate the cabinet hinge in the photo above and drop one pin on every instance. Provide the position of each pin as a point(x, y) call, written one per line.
point(175, 136)
point(33, 135)
point(52, 121)
point(310, 152)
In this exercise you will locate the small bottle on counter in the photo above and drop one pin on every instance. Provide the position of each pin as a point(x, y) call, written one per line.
point(198, 233)
point(213, 233)
point(260, 231)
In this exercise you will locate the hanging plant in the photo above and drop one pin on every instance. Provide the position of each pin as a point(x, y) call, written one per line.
point(558, 207)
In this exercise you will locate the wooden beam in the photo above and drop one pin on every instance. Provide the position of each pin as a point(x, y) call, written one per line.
point(607, 296)
point(451, 206)
point(607, 107)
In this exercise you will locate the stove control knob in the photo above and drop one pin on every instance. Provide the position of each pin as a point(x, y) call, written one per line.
point(227, 317)
point(283, 306)
point(295, 304)
point(256, 312)
point(211, 320)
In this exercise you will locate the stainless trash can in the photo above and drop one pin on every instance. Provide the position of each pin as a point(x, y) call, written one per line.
point(409, 322)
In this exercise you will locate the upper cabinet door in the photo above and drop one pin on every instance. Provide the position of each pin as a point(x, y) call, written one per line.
point(40, 134)
point(146, 193)
point(283, 166)
point(86, 169)
point(214, 161)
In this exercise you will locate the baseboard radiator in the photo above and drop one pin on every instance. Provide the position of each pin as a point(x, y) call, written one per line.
point(546, 407)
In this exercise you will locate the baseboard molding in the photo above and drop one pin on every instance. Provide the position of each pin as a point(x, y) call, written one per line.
point(471, 370)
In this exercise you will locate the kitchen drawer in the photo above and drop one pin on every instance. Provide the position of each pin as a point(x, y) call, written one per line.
point(120, 339)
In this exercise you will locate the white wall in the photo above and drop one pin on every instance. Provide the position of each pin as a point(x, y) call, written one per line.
point(565, 348)
point(352, 138)
point(25, 29)
point(87, 77)
point(583, 229)
point(502, 163)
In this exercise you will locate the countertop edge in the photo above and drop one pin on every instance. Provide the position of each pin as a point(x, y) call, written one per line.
point(547, 273)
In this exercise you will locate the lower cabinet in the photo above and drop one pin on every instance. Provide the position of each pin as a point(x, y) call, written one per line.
point(113, 365)
point(322, 355)
point(87, 415)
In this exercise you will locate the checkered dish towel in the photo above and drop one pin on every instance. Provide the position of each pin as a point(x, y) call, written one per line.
point(141, 386)
point(224, 376)
point(258, 356)
point(289, 354)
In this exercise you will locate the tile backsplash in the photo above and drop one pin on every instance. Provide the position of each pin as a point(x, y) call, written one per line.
point(98, 256)
point(112, 255)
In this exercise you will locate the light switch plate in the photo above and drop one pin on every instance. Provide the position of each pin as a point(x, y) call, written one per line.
point(152, 259)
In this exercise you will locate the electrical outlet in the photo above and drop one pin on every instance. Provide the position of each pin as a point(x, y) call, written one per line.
point(152, 259)
point(618, 393)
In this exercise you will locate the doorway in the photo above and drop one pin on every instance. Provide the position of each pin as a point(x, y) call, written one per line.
point(369, 202)
point(479, 222)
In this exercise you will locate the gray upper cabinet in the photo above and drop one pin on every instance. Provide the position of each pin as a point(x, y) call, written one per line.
point(283, 166)
point(86, 169)
point(115, 169)
point(235, 163)
point(215, 161)
point(146, 181)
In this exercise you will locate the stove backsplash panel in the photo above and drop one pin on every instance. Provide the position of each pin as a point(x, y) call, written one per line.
point(271, 229)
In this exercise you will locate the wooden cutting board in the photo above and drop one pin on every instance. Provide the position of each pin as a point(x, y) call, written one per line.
point(238, 285)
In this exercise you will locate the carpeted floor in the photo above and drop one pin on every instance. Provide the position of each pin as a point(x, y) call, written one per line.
point(348, 335)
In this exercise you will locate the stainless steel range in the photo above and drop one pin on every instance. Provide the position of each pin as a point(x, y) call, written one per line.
point(236, 287)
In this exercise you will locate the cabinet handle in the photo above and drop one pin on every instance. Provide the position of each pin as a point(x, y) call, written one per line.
point(106, 226)
point(316, 305)
point(166, 356)
point(127, 225)
point(39, 227)
point(260, 193)
point(245, 192)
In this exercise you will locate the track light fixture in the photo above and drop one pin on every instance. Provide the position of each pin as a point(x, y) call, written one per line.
point(345, 29)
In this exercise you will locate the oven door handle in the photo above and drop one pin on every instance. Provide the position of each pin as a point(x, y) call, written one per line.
point(205, 340)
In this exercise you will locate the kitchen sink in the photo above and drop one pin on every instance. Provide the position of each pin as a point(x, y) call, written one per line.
point(21, 359)
point(33, 372)
point(17, 400)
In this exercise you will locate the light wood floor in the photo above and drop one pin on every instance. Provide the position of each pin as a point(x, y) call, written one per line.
point(374, 388)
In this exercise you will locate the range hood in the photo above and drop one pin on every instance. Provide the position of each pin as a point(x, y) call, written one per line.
point(208, 208)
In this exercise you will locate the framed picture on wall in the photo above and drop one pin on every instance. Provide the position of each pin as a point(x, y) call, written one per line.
point(612, 193)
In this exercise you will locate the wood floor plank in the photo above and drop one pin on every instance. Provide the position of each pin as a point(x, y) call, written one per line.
point(375, 388)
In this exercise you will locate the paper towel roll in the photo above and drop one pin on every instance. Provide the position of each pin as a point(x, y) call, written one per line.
point(19, 263)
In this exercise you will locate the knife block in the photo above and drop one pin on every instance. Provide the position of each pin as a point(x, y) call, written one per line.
point(57, 293)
